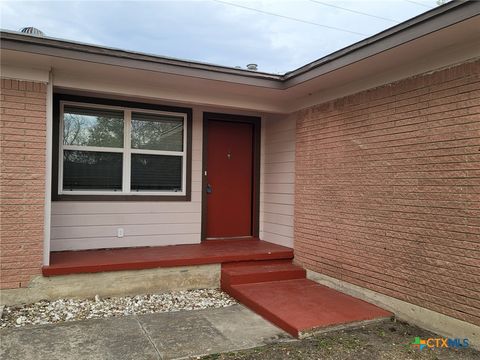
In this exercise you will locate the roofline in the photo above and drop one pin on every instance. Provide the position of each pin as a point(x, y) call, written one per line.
point(464, 9)
point(436, 19)
point(17, 36)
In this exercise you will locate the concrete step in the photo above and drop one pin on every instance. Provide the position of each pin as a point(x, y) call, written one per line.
point(301, 306)
point(260, 271)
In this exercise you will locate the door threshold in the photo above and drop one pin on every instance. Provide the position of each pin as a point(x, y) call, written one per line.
point(231, 238)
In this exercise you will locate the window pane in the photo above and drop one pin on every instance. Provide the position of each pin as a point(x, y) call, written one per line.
point(157, 132)
point(156, 172)
point(92, 127)
point(88, 170)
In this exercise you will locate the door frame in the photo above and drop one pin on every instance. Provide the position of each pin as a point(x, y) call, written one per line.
point(256, 123)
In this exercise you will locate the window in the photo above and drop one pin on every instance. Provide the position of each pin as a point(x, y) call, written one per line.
point(120, 150)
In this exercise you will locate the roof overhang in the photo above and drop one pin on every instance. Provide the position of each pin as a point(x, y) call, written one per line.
point(441, 37)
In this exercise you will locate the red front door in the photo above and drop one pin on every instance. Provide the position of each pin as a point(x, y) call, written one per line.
point(229, 179)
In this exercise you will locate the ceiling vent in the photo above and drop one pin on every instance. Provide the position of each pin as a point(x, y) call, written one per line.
point(32, 31)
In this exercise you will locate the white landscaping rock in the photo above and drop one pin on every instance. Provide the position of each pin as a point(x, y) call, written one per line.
point(48, 312)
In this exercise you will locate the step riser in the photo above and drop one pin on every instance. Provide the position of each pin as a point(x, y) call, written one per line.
point(263, 277)
point(257, 263)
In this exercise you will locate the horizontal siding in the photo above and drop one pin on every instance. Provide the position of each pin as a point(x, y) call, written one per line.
point(75, 232)
point(277, 180)
point(388, 190)
point(93, 225)
point(131, 241)
point(127, 219)
point(118, 207)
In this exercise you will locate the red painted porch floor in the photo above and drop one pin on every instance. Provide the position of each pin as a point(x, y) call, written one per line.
point(207, 252)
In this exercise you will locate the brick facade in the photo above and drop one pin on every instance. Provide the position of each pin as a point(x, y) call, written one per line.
point(22, 150)
point(388, 190)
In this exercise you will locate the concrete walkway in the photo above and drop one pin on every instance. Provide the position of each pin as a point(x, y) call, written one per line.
point(173, 335)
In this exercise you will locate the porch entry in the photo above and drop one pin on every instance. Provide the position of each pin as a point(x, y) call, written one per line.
point(229, 177)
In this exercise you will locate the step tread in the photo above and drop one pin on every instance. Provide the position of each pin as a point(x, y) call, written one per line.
point(302, 305)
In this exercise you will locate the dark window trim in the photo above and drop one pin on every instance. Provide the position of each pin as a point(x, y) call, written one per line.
point(129, 104)
point(256, 122)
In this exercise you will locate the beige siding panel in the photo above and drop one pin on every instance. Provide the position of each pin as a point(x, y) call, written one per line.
point(283, 209)
point(117, 207)
point(275, 198)
point(279, 168)
point(280, 138)
point(286, 178)
point(131, 241)
point(278, 219)
point(277, 180)
point(282, 157)
point(125, 219)
point(278, 239)
point(279, 188)
point(276, 147)
point(283, 230)
point(129, 230)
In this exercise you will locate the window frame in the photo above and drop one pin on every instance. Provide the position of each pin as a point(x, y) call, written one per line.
point(126, 194)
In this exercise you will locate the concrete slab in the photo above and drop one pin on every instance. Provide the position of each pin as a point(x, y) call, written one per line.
point(184, 334)
point(106, 339)
point(244, 328)
point(193, 333)
point(157, 336)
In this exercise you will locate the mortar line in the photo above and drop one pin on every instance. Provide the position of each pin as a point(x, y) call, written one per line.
point(148, 337)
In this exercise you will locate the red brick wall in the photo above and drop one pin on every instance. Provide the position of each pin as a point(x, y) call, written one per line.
point(388, 190)
point(22, 150)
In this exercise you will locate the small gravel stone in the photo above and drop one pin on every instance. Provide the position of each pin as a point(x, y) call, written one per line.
point(49, 312)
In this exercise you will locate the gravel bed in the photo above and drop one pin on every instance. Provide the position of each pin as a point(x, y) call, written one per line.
point(49, 312)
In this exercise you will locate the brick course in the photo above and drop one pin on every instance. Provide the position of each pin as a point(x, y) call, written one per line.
point(22, 191)
point(388, 190)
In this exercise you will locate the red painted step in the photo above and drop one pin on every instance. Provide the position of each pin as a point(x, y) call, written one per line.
point(297, 305)
point(260, 271)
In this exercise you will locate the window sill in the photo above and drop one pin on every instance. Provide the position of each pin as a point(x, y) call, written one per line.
point(107, 198)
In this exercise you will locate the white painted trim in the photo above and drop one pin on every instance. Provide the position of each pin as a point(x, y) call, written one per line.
point(25, 73)
point(48, 172)
point(91, 148)
point(127, 156)
point(127, 151)
point(413, 314)
point(157, 152)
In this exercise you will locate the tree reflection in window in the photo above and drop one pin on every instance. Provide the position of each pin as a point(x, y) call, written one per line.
point(157, 132)
point(92, 127)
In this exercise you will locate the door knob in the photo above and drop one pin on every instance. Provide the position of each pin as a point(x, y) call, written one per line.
point(209, 189)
